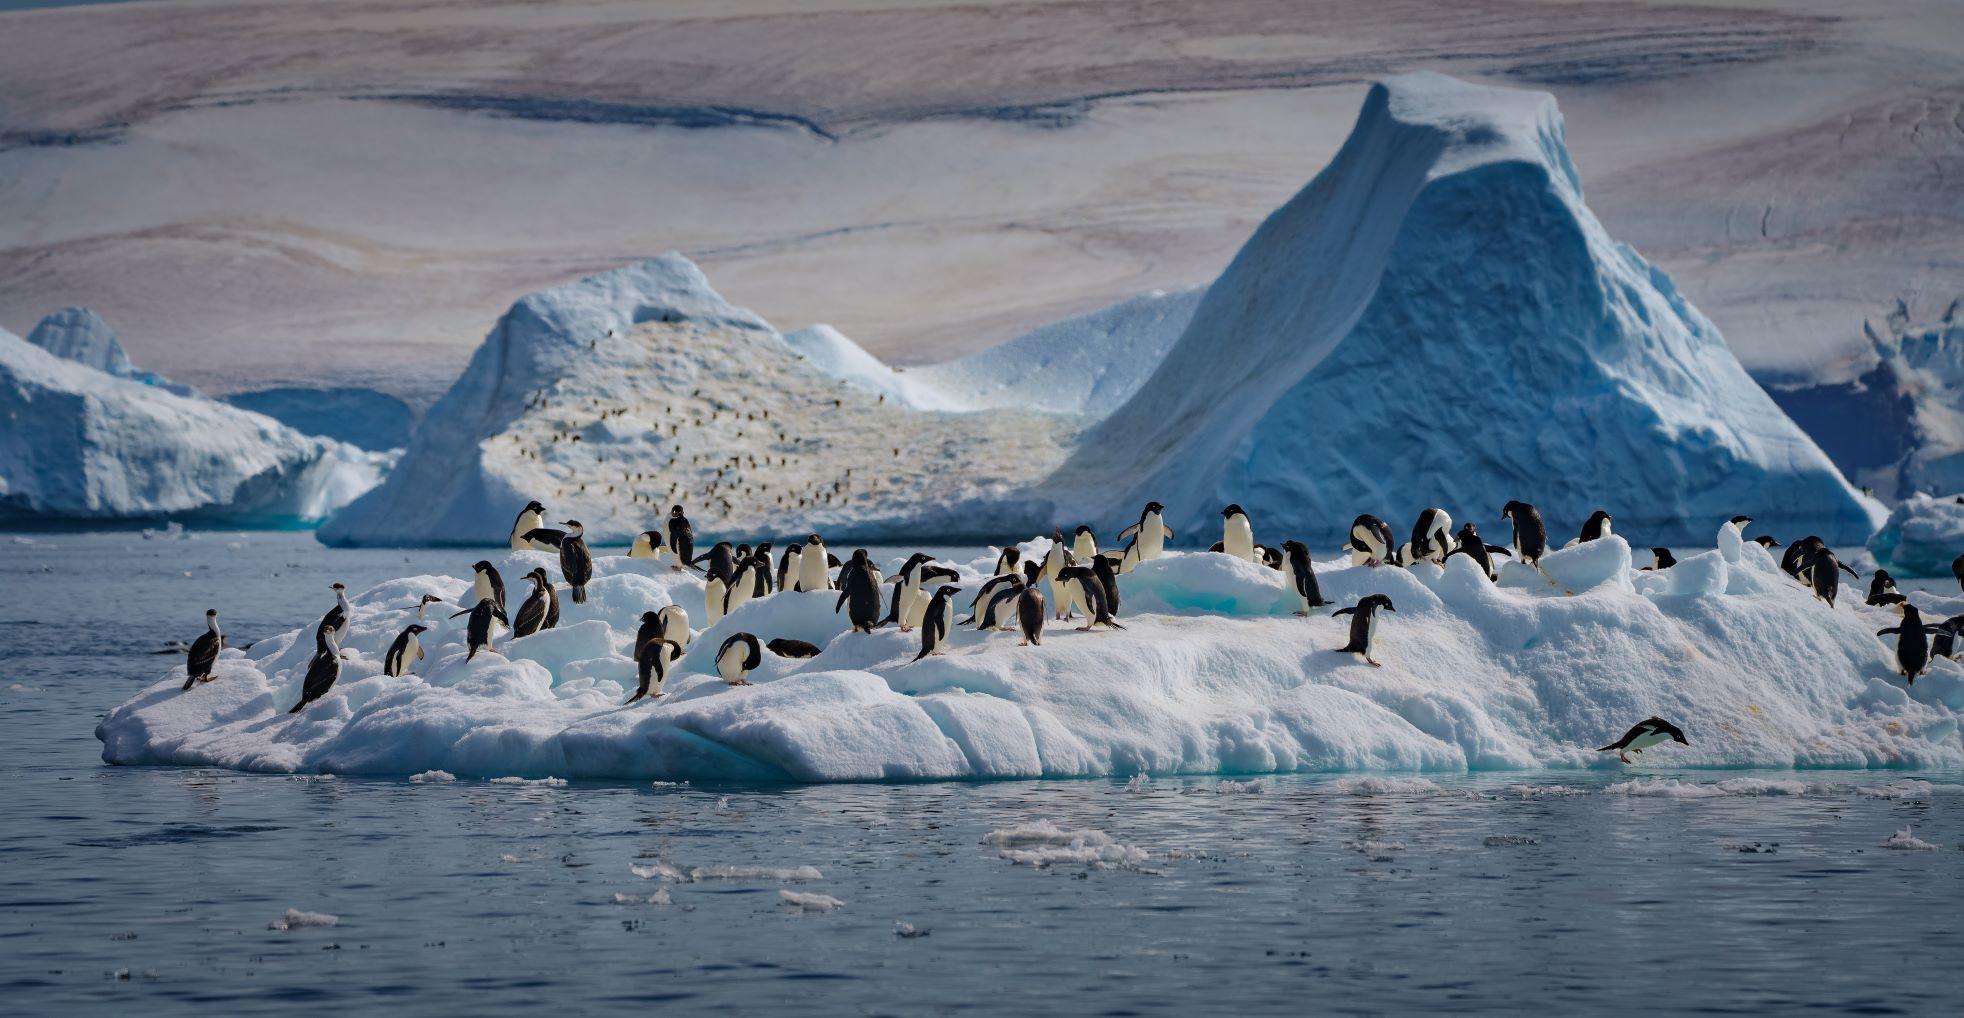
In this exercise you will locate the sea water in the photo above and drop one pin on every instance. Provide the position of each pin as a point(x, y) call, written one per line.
point(159, 890)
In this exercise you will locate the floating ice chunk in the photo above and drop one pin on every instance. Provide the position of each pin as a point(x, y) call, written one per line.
point(1672, 788)
point(1140, 782)
point(295, 919)
point(657, 871)
point(1227, 787)
point(907, 931)
point(1382, 785)
point(1043, 844)
point(509, 858)
point(660, 897)
point(1376, 849)
point(1922, 536)
point(1904, 841)
point(538, 782)
point(432, 778)
point(809, 902)
point(756, 873)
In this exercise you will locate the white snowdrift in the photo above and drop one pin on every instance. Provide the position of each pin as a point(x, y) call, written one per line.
point(1436, 319)
point(80, 443)
point(1922, 537)
point(1212, 675)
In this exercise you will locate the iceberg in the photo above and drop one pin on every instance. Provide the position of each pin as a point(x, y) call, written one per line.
point(80, 335)
point(1213, 675)
point(1922, 536)
point(1436, 319)
point(82, 443)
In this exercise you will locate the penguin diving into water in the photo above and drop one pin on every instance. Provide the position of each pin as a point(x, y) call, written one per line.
point(1645, 734)
point(1302, 574)
point(735, 659)
point(405, 651)
point(204, 651)
point(1364, 625)
point(575, 561)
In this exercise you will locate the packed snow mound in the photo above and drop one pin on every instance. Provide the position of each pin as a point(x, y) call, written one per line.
point(1923, 536)
point(1436, 319)
point(78, 443)
point(363, 418)
point(1213, 674)
point(80, 335)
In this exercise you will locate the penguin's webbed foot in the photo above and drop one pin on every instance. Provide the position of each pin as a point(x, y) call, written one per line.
point(1625, 757)
point(1302, 615)
point(1373, 663)
point(739, 682)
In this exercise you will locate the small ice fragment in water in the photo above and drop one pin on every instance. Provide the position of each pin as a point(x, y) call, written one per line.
point(1376, 849)
point(294, 919)
point(508, 857)
point(1140, 782)
point(1044, 844)
point(541, 782)
point(1376, 785)
point(907, 930)
point(660, 897)
point(755, 873)
point(1904, 841)
point(1226, 787)
point(809, 902)
point(432, 777)
point(657, 871)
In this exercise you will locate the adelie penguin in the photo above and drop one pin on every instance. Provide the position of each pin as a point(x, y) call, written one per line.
point(1091, 595)
point(786, 647)
point(1912, 642)
point(1029, 615)
point(1054, 562)
point(1595, 528)
point(1237, 534)
point(1880, 583)
point(681, 538)
point(738, 656)
point(1084, 544)
point(815, 565)
point(530, 518)
point(672, 623)
point(1822, 572)
point(1370, 541)
point(404, 652)
point(651, 663)
point(1302, 574)
point(1645, 734)
point(717, 578)
point(478, 631)
point(488, 585)
point(860, 593)
point(1009, 561)
point(1432, 538)
point(982, 610)
point(575, 561)
point(648, 544)
point(1957, 570)
point(1530, 534)
point(788, 568)
point(1102, 567)
point(1148, 537)
point(1364, 625)
point(1482, 553)
point(531, 617)
point(322, 670)
point(937, 621)
point(1660, 560)
point(204, 651)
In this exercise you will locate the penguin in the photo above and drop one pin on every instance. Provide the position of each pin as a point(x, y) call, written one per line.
point(1270, 557)
point(488, 584)
point(814, 566)
point(1067, 592)
point(738, 655)
point(1029, 615)
point(405, 651)
point(743, 585)
point(1370, 541)
point(1008, 561)
point(937, 621)
point(1595, 528)
point(861, 590)
point(681, 538)
point(1944, 644)
point(1530, 534)
point(1880, 583)
point(1237, 534)
point(717, 579)
point(788, 567)
point(1767, 541)
point(1660, 560)
point(545, 538)
point(764, 584)
point(478, 631)
point(1054, 561)
point(322, 670)
point(530, 518)
point(1432, 537)
point(651, 664)
point(1912, 642)
point(1823, 572)
point(1957, 570)
point(784, 647)
point(1889, 600)
point(1084, 544)
point(1101, 566)
point(1150, 534)
point(1364, 624)
point(1302, 573)
point(1643, 735)
point(996, 611)
point(907, 586)
point(648, 544)
point(1739, 524)
point(428, 599)
point(204, 651)
point(531, 617)
point(575, 561)
point(1794, 559)
point(649, 629)
point(673, 625)
point(1091, 595)
point(987, 591)
point(552, 601)
point(1471, 546)
point(335, 622)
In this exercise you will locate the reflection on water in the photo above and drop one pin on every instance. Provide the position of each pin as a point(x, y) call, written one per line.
point(153, 889)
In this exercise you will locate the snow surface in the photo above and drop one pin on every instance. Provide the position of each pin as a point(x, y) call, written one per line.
point(1437, 319)
point(1922, 536)
point(80, 443)
point(1213, 675)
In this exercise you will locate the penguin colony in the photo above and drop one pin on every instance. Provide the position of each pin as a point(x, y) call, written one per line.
point(1081, 576)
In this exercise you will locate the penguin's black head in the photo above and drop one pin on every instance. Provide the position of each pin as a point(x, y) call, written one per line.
point(743, 550)
point(650, 617)
point(1470, 529)
point(859, 555)
point(1766, 541)
point(482, 566)
point(1294, 546)
point(1377, 601)
point(1012, 554)
point(573, 525)
point(1155, 507)
point(1081, 529)
point(1514, 508)
point(1031, 570)
point(340, 586)
point(814, 540)
point(1599, 516)
point(535, 506)
point(948, 591)
point(431, 599)
point(1741, 521)
point(211, 613)
point(676, 511)
point(1232, 510)
point(419, 628)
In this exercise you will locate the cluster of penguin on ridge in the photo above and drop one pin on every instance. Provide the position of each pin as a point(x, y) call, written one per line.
point(1082, 577)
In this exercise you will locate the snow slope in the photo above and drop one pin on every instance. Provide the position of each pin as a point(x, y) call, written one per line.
point(1212, 675)
point(79, 443)
point(1436, 319)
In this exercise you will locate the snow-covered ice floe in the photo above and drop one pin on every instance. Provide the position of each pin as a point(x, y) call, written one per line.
point(1923, 536)
point(1213, 675)
point(83, 435)
point(1436, 319)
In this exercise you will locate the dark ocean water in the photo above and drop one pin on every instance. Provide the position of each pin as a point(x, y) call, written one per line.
point(151, 890)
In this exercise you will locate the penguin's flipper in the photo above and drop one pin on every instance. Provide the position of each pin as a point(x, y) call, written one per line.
point(1891, 631)
point(1343, 611)
point(842, 602)
point(466, 611)
point(1128, 532)
point(1850, 570)
point(1169, 531)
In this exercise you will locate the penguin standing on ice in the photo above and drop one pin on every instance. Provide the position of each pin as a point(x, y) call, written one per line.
point(651, 663)
point(1660, 560)
point(1370, 541)
point(1473, 547)
point(1912, 642)
point(1237, 534)
point(1101, 567)
point(1091, 596)
point(575, 561)
point(405, 651)
point(989, 589)
point(788, 567)
point(1302, 573)
point(735, 659)
point(1595, 528)
point(815, 565)
point(1645, 734)
point(1054, 561)
point(1149, 535)
point(1029, 615)
point(999, 605)
point(860, 593)
point(1084, 544)
point(648, 544)
point(907, 586)
point(1957, 569)
point(322, 670)
point(1432, 538)
point(681, 538)
point(531, 617)
point(1794, 559)
point(478, 631)
point(717, 579)
point(488, 585)
point(1944, 643)
point(1530, 533)
point(335, 622)
point(530, 518)
point(672, 623)
point(743, 584)
point(1364, 625)
point(1880, 583)
point(204, 651)
point(1822, 573)
point(1008, 561)
point(764, 584)
point(937, 621)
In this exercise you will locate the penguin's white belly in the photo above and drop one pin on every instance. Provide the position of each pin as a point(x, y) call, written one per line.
point(483, 588)
point(675, 625)
point(1648, 739)
point(1085, 548)
point(812, 571)
point(1152, 538)
point(914, 609)
point(741, 592)
point(643, 548)
point(712, 596)
point(1238, 538)
point(730, 665)
point(527, 522)
point(791, 572)
point(1371, 631)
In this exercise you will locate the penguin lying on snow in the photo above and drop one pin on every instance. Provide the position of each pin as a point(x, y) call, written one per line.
point(204, 651)
point(1646, 733)
point(785, 647)
point(1364, 625)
